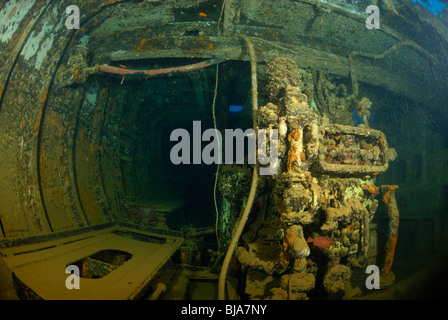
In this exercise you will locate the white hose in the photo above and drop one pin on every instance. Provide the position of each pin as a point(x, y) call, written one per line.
point(254, 183)
point(219, 158)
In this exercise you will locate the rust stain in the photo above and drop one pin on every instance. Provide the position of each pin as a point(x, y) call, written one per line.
point(386, 195)
point(290, 237)
point(54, 120)
point(294, 135)
point(37, 123)
point(143, 42)
point(291, 158)
point(12, 12)
point(36, 126)
point(390, 254)
point(76, 74)
point(44, 96)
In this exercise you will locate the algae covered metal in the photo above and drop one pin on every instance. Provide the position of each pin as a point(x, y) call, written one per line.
point(93, 95)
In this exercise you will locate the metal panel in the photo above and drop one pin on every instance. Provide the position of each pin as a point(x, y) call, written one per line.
point(38, 40)
point(42, 267)
point(17, 19)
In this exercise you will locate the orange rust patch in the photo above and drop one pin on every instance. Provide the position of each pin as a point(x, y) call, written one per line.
point(386, 195)
point(285, 257)
point(302, 156)
point(290, 237)
point(76, 73)
point(390, 254)
point(294, 149)
point(142, 44)
point(44, 96)
point(36, 126)
point(291, 158)
point(294, 135)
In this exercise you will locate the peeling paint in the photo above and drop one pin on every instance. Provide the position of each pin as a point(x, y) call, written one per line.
point(92, 94)
point(35, 47)
point(33, 43)
point(85, 40)
point(43, 51)
point(11, 16)
point(55, 10)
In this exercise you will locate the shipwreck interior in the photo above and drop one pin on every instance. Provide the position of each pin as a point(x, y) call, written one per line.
point(88, 182)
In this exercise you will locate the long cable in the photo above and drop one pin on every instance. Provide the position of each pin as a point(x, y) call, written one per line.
point(219, 146)
point(222, 11)
point(254, 183)
point(219, 157)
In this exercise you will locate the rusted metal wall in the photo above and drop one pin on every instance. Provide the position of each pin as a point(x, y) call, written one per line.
point(60, 165)
point(50, 172)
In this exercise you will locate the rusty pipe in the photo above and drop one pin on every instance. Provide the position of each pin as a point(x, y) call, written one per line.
point(392, 211)
point(151, 73)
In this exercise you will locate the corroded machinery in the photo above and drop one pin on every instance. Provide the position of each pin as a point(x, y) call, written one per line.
point(323, 193)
